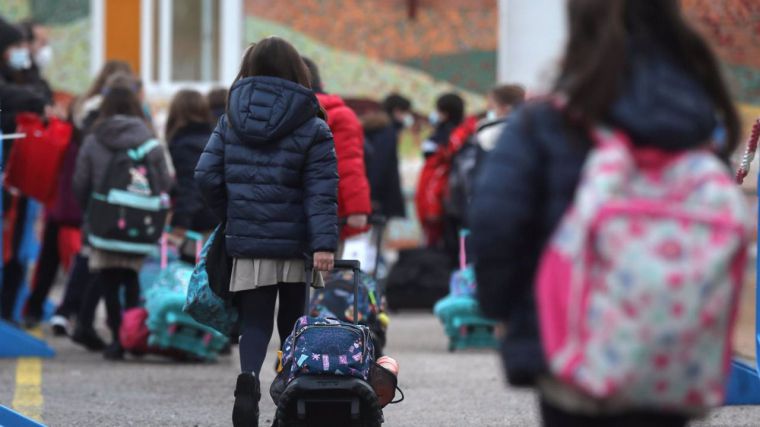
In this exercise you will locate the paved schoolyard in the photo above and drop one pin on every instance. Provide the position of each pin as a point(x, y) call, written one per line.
point(442, 389)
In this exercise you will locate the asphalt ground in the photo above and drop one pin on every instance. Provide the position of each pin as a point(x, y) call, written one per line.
point(442, 389)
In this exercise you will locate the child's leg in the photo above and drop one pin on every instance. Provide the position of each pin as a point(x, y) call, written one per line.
point(257, 312)
point(131, 289)
point(90, 299)
point(111, 281)
point(292, 299)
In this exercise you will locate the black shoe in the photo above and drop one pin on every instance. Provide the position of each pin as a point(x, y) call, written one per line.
point(89, 339)
point(114, 351)
point(247, 395)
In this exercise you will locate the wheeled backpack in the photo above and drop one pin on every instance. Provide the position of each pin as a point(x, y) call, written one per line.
point(325, 371)
point(127, 212)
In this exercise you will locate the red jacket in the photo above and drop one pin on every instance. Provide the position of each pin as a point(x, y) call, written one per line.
point(433, 184)
point(353, 186)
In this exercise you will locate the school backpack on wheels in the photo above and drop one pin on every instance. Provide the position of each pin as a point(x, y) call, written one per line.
point(336, 299)
point(464, 324)
point(161, 326)
point(326, 364)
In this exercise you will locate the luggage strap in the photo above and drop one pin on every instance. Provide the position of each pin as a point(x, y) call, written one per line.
point(399, 400)
point(140, 152)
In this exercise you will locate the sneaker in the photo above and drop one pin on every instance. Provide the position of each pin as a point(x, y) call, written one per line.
point(245, 413)
point(60, 325)
point(89, 339)
point(114, 351)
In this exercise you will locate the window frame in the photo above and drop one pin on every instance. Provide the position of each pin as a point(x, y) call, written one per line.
point(231, 15)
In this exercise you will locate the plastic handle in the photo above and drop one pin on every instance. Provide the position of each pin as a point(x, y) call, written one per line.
point(463, 249)
point(341, 264)
point(164, 250)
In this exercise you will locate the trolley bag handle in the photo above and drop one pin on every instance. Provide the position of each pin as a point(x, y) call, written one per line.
point(189, 235)
point(344, 264)
point(463, 248)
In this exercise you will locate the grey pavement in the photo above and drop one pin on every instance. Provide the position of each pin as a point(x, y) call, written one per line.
point(442, 388)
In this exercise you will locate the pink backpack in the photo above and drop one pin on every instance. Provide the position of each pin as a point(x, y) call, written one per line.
point(637, 288)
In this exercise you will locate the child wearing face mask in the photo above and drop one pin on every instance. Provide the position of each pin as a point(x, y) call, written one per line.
point(16, 96)
point(381, 134)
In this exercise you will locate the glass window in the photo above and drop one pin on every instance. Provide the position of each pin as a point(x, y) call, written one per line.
point(195, 40)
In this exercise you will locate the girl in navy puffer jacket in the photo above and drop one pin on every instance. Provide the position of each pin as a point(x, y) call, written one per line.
point(270, 171)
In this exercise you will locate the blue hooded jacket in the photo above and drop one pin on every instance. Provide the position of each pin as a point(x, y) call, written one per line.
point(270, 169)
point(528, 181)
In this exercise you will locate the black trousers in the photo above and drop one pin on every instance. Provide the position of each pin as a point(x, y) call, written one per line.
point(257, 310)
point(13, 270)
point(47, 267)
point(108, 283)
point(76, 286)
point(555, 417)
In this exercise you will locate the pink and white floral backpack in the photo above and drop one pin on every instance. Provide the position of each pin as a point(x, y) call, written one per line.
point(637, 288)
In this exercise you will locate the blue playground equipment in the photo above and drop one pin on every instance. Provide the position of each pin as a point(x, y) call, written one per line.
point(11, 418)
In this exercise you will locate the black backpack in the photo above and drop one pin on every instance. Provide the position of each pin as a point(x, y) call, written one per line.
point(128, 212)
point(461, 178)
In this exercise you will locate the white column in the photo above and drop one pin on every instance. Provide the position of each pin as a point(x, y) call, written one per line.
point(231, 39)
point(165, 23)
point(146, 42)
point(531, 41)
point(207, 24)
point(97, 35)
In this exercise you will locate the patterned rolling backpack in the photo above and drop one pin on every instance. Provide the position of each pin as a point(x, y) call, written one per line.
point(637, 288)
point(325, 370)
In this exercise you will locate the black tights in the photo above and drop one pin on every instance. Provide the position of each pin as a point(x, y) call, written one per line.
point(108, 283)
point(257, 312)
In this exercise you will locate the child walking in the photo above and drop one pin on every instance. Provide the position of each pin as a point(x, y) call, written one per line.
point(120, 126)
point(270, 171)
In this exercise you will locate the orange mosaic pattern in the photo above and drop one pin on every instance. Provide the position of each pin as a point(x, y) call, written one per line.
point(383, 29)
point(732, 26)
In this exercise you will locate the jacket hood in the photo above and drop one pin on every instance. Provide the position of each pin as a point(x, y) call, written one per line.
point(661, 104)
point(122, 132)
point(375, 121)
point(264, 109)
point(330, 102)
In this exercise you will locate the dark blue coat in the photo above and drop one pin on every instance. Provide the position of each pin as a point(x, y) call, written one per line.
point(529, 179)
point(190, 210)
point(270, 170)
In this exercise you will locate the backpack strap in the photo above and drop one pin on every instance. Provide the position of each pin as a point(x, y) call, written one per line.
point(143, 150)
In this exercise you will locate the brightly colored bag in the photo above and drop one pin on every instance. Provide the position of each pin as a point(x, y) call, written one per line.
point(637, 288)
point(325, 346)
point(35, 160)
point(127, 212)
point(202, 303)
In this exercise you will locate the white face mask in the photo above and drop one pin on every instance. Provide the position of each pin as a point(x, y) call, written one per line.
point(434, 118)
point(19, 58)
point(44, 57)
point(408, 120)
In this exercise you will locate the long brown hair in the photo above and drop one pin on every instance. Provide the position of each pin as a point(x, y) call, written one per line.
point(596, 59)
point(109, 68)
point(120, 98)
point(274, 57)
point(187, 106)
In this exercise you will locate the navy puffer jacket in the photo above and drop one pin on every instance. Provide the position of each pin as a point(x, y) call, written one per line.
point(270, 169)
